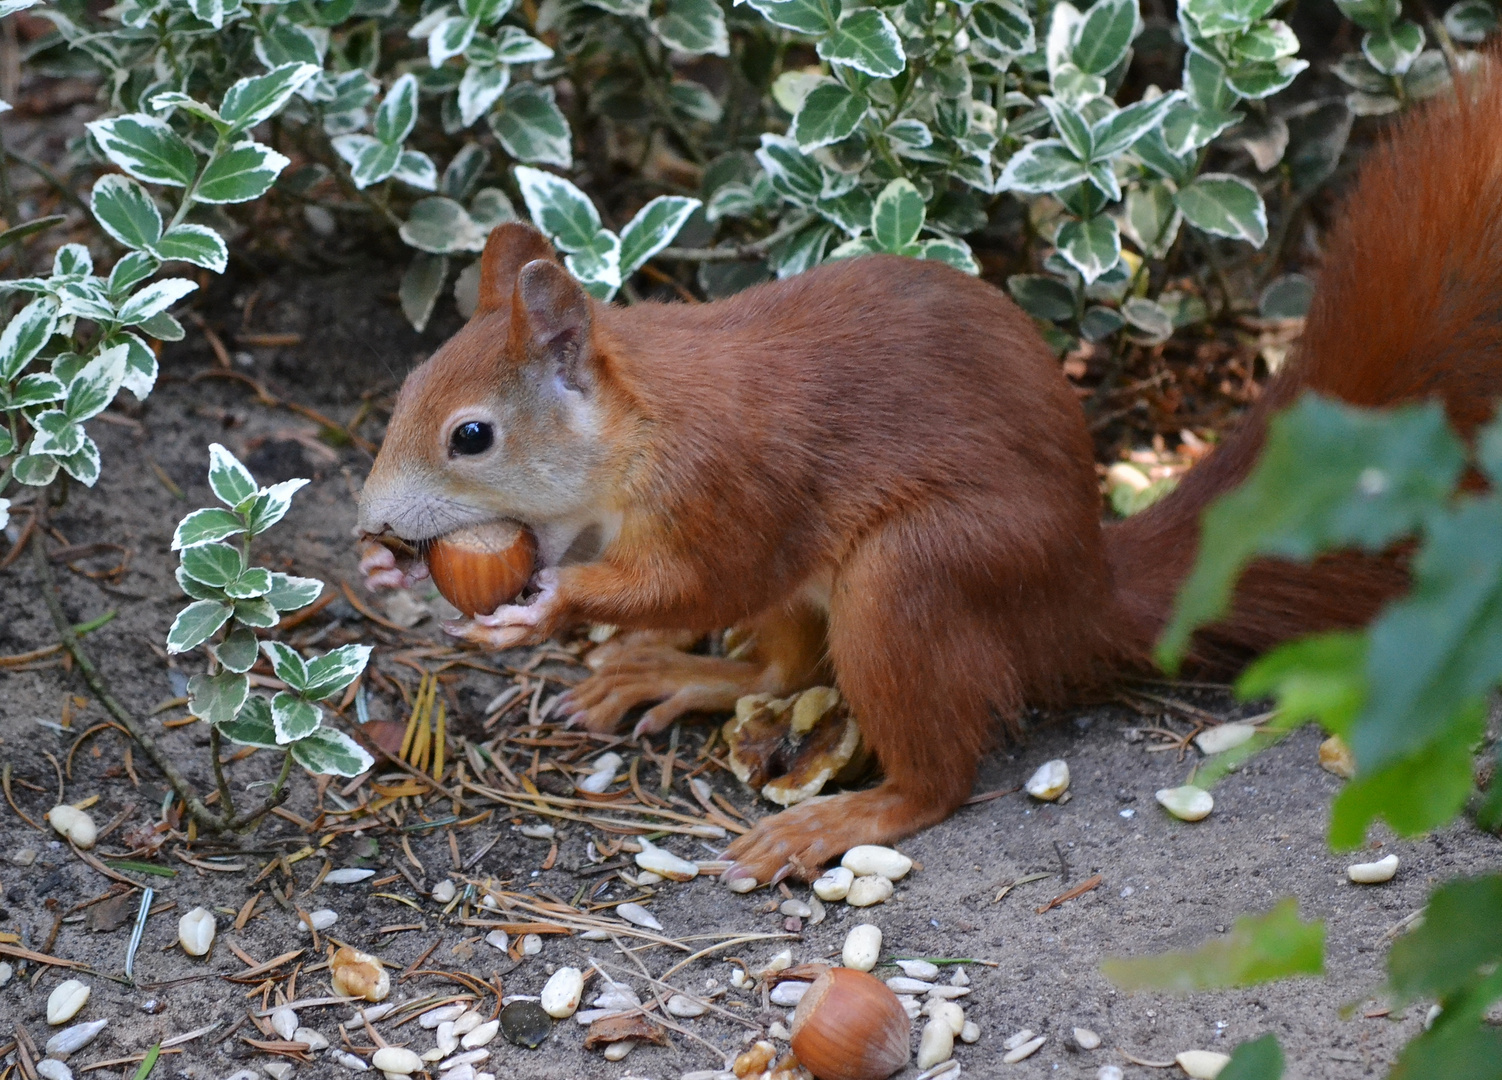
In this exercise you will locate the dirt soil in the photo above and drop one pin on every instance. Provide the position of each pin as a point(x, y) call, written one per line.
point(1164, 884)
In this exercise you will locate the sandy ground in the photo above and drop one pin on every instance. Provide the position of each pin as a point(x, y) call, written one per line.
point(1165, 884)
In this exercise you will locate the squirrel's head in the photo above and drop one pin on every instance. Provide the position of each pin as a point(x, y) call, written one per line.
point(509, 418)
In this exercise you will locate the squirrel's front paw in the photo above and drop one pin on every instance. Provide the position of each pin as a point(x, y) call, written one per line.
point(380, 568)
point(512, 624)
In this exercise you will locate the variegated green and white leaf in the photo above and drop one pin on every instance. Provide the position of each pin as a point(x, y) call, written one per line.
point(653, 229)
point(196, 244)
point(440, 225)
point(238, 651)
point(1225, 205)
point(802, 251)
point(531, 127)
point(96, 384)
point(195, 624)
point(255, 582)
point(449, 38)
point(287, 663)
point(217, 698)
point(1005, 25)
point(253, 727)
point(169, 102)
point(1092, 247)
point(1113, 134)
point(480, 88)
point(830, 113)
point(802, 16)
point(327, 752)
point(513, 45)
point(153, 300)
point(206, 526)
point(85, 299)
point(598, 265)
point(24, 336)
point(196, 589)
point(731, 200)
point(490, 207)
point(854, 249)
point(559, 208)
point(35, 470)
point(416, 169)
point(897, 217)
point(293, 717)
point(794, 175)
point(38, 388)
point(287, 42)
point(73, 261)
point(370, 160)
point(213, 563)
point(130, 270)
point(256, 612)
point(146, 148)
point(125, 211)
point(271, 505)
point(257, 99)
point(56, 434)
point(867, 41)
point(696, 27)
point(1044, 166)
point(244, 172)
point(334, 670)
point(397, 114)
point(230, 481)
point(422, 284)
point(949, 250)
point(288, 593)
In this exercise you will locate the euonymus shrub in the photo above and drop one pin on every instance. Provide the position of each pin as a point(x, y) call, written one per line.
point(231, 600)
point(1409, 694)
point(84, 336)
point(426, 112)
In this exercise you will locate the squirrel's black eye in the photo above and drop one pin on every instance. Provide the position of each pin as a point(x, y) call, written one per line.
point(472, 437)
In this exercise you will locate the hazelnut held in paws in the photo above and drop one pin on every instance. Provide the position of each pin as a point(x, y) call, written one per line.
point(481, 567)
point(877, 472)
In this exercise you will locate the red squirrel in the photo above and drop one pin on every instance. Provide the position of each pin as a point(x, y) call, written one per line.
point(877, 471)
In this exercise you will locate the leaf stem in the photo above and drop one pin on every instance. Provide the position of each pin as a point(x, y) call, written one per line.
point(226, 798)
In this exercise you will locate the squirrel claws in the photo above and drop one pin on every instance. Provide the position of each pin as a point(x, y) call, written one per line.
point(380, 570)
point(511, 625)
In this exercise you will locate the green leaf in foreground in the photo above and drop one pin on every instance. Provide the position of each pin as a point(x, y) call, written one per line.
point(1438, 651)
point(1260, 1059)
point(1461, 932)
point(1416, 794)
point(1258, 949)
point(1379, 476)
point(1472, 1052)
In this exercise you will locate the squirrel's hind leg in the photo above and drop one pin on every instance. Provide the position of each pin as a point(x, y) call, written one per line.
point(786, 655)
point(923, 642)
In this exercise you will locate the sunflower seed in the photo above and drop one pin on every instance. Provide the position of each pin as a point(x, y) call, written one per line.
point(66, 999)
point(870, 860)
point(1050, 781)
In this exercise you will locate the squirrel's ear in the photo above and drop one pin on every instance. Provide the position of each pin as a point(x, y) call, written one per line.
point(550, 322)
point(509, 247)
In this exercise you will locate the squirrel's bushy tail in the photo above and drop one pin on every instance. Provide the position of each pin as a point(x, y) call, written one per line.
point(1408, 306)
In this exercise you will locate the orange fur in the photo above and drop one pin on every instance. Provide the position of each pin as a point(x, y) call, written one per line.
point(877, 465)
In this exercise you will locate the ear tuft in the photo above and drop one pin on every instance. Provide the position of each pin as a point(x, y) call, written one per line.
point(509, 247)
point(550, 320)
